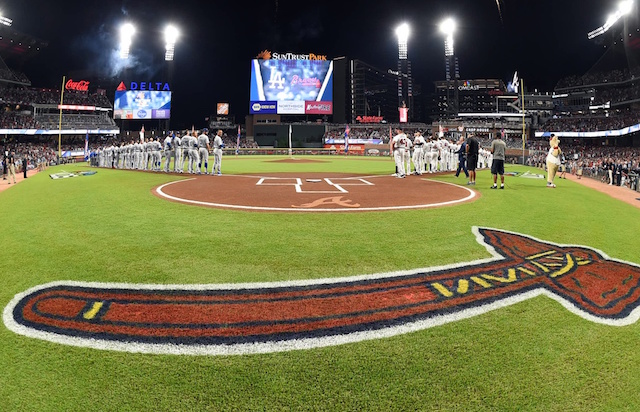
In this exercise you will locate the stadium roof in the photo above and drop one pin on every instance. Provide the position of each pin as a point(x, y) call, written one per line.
point(16, 47)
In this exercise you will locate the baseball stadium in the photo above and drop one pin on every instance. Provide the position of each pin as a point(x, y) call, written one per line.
point(308, 272)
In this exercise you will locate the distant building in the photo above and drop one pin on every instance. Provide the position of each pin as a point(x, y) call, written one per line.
point(362, 91)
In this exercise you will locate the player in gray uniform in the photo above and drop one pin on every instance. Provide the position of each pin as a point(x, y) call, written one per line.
point(177, 149)
point(184, 153)
point(156, 154)
point(146, 150)
point(138, 149)
point(218, 145)
point(203, 151)
point(194, 159)
point(169, 150)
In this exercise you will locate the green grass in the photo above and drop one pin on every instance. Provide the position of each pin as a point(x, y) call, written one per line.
point(532, 356)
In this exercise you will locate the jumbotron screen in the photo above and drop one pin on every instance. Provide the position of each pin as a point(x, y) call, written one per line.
point(291, 87)
point(142, 104)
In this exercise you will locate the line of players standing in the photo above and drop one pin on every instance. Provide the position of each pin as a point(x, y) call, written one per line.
point(431, 155)
point(191, 148)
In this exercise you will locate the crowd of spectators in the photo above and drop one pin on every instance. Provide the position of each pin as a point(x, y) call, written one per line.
point(593, 161)
point(380, 132)
point(38, 156)
point(76, 121)
point(591, 123)
point(17, 120)
point(628, 93)
point(14, 76)
point(592, 79)
point(28, 96)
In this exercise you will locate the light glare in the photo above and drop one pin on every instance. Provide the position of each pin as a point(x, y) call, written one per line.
point(448, 26)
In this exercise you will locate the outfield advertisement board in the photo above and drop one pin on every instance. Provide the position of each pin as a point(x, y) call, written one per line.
point(142, 104)
point(293, 86)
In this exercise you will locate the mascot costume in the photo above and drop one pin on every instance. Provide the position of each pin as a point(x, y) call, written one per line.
point(553, 159)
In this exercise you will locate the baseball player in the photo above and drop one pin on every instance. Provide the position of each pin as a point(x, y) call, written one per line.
point(418, 153)
point(168, 151)
point(177, 147)
point(218, 145)
point(203, 150)
point(194, 159)
point(397, 147)
point(407, 155)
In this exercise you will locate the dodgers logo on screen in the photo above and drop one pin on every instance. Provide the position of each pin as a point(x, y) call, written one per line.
point(142, 113)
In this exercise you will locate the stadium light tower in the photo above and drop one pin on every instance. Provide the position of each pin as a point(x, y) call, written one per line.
point(405, 100)
point(126, 34)
point(624, 8)
point(448, 28)
point(402, 31)
point(5, 20)
point(171, 34)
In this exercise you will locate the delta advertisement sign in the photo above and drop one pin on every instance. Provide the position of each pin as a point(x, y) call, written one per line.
point(142, 100)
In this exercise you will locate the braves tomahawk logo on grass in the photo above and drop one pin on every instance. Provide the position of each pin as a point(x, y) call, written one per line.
point(258, 318)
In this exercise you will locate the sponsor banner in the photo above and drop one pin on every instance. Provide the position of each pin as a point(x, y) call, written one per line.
point(369, 119)
point(143, 114)
point(268, 107)
point(314, 107)
point(30, 132)
point(292, 107)
point(339, 148)
point(161, 114)
point(340, 140)
point(605, 133)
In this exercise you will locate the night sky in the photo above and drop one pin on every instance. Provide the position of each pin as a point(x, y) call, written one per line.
point(543, 39)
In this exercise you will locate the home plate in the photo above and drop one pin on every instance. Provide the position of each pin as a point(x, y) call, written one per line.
point(314, 180)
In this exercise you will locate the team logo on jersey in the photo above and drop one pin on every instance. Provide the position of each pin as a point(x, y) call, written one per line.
point(258, 318)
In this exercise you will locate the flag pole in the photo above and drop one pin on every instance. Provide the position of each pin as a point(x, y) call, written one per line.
point(524, 136)
point(60, 119)
point(290, 149)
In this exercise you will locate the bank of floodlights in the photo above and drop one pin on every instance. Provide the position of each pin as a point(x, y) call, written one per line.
point(402, 31)
point(126, 34)
point(5, 20)
point(624, 8)
point(170, 37)
point(448, 27)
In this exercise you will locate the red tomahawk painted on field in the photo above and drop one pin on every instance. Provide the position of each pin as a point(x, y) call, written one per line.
point(256, 318)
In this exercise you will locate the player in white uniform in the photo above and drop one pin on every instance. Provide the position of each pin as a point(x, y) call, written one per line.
point(435, 154)
point(407, 155)
point(418, 153)
point(397, 147)
point(203, 151)
point(218, 145)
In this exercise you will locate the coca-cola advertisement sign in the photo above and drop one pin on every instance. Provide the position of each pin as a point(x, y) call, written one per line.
point(79, 86)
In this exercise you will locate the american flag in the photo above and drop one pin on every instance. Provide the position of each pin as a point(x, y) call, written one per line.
point(238, 142)
point(86, 147)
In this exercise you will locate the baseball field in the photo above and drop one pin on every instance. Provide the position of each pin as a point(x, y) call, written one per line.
point(523, 299)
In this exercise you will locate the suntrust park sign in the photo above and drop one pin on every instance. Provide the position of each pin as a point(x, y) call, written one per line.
point(266, 55)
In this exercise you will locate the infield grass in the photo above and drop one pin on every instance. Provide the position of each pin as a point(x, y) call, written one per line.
point(109, 227)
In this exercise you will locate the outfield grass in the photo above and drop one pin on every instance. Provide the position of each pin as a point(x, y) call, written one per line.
point(109, 227)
